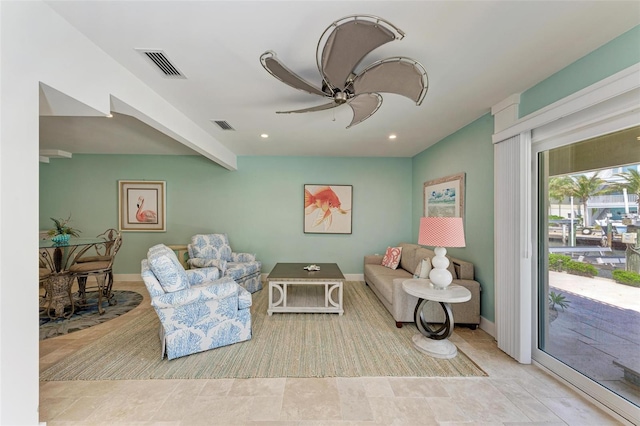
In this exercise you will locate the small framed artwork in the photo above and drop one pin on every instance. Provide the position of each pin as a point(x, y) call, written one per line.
point(142, 206)
point(444, 197)
point(328, 209)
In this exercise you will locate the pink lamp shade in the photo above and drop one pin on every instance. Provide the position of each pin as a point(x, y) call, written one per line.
point(441, 232)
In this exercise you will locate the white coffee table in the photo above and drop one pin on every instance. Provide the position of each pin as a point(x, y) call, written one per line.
point(288, 275)
point(434, 341)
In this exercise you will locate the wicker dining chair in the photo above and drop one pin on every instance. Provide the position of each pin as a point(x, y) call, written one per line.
point(44, 274)
point(100, 266)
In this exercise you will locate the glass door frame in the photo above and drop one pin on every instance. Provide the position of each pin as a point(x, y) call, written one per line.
point(607, 106)
point(598, 394)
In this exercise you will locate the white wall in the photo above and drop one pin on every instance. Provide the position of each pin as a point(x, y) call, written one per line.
point(38, 46)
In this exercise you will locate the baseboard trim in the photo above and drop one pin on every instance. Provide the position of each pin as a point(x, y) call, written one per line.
point(127, 277)
point(354, 277)
point(488, 326)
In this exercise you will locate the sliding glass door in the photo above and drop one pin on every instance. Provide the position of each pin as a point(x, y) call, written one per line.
point(589, 262)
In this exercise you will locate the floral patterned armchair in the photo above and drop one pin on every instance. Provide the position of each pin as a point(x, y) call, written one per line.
point(198, 310)
point(214, 250)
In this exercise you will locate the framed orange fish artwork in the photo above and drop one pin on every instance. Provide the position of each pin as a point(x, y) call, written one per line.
point(327, 209)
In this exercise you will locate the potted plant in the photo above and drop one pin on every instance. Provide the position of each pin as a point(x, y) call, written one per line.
point(61, 232)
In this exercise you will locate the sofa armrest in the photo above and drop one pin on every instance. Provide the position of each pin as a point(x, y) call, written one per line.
point(220, 289)
point(374, 259)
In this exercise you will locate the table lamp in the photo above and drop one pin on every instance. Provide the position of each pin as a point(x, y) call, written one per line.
point(441, 232)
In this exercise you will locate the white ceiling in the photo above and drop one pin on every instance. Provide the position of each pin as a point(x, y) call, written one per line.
point(476, 53)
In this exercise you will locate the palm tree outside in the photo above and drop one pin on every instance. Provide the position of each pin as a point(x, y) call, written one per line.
point(631, 184)
point(560, 187)
point(584, 187)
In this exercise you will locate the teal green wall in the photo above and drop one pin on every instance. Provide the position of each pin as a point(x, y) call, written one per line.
point(260, 206)
point(469, 150)
point(620, 53)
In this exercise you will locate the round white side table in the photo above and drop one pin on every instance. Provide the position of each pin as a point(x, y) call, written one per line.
point(434, 341)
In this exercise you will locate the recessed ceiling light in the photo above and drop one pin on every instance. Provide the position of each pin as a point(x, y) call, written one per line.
point(264, 136)
point(392, 136)
point(109, 115)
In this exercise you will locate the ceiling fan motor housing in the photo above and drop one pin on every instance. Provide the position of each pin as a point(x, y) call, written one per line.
point(340, 98)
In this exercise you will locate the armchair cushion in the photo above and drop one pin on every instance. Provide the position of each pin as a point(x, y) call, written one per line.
point(237, 271)
point(210, 246)
point(201, 275)
point(167, 268)
point(199, 262)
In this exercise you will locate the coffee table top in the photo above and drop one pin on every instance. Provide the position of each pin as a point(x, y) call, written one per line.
point(296, 271)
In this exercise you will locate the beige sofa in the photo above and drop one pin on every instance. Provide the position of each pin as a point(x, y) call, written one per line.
point(386, 283)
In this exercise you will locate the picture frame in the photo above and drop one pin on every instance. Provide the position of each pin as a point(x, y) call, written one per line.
point(327, 209)
point(444, 197)
point(142, 206)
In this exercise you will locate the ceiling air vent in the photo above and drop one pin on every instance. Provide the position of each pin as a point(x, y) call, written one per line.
point(159, 59)
point(223, 124)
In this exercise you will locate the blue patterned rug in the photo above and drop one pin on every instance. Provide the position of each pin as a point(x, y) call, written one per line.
point(88, 316)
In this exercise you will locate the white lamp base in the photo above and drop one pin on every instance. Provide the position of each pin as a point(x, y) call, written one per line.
point(440, 277)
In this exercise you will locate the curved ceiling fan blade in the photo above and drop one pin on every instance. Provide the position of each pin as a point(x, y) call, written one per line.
point(270, 62)
point(311, 109)
point(348, 43)
point(364, 106)
point(402, 76)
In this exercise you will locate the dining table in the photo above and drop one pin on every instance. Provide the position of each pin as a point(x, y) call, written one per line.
point(58, 258)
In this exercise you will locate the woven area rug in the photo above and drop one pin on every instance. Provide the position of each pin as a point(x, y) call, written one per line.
point(364, 342)
point(88, 316)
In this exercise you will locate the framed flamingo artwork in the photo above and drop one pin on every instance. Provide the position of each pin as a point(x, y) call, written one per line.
point(327, 209)
point(142, 206)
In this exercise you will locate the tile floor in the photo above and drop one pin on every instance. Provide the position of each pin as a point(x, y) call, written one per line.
point(512, 394)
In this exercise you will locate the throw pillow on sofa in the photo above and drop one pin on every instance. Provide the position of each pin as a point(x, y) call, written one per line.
point(423, 268)
point(391, 257)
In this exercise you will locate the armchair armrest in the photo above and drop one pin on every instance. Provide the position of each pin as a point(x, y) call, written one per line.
point(375, 259)
point(219, 289)
point(243, 257)
point(203, 275)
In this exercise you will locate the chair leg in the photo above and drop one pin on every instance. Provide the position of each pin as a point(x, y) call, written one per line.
point(109, 290)
point(82, 289)
point(101, 279)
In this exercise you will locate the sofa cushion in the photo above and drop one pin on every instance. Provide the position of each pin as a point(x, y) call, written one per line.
point(167, 268)
point(408, 259)
point(382, 278)
point(391, 258)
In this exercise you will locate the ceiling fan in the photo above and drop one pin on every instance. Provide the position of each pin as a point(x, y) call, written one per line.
point(346, 42)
